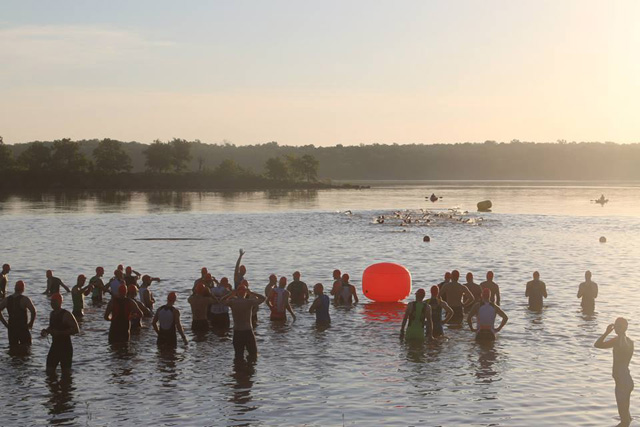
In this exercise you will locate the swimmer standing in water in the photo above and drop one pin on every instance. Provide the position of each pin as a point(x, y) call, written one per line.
point(417, 314)
point(78, 292)
point(298, 290)
point(475, 289)
point(486, 311)
point(337, 284)
point(242, 302)
point(453, 293)
point(166, 322)
point(54, 284)
point(437, 305)
point(536, 291)
point(239, 272)
point(347, 295)
point(493, 287)
point(447, 280)
point(278, 302)
point(588, 291)
point(62, 325)
point(18, 326)
point(320, 305)
point(97, 286)
point(4, 279)
point(622, 352)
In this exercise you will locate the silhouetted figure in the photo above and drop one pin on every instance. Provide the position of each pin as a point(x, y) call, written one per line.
point(447, 279)
point(320, 305)
point(239, 272)
point(200, 302)
point(18, 326)
point(588, 291)
point(475, 290)
point(347, 294)
point(242, 301)
point(119, 311)
point(62, 325)
point(54, 284)
point(4, 279)
point(536, 291)
point(278, 302)
point(337, 284)
point(97, 286)
point(298, 290)
point(486, 312)
point(417, 314)
point(433, 198)
point(166, 322)
point(437, 305)
point(493, 287)
point(453, 293)
point(78, 292)
point(622, 352)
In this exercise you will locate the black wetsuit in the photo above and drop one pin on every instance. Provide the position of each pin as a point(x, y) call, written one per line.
point(119, 331)
point(54, 285)
point(167, 337)
point(436, 317)
point(3, 284)
point(61, 350)
point(18, 326)
point(296, 288)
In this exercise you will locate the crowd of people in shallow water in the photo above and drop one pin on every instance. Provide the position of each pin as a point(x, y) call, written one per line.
point(212, 301)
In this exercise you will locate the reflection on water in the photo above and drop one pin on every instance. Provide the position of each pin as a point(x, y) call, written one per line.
point(384, 311)
point(60, 402)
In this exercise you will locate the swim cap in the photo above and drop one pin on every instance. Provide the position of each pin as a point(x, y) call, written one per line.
point(49, 273)
point(128, 270)
point(6, 266)
point(224, 281)
point(172, 297)
point(204, 270)
point(242, 291)
point(272, 276)
point(469, 276)
point(296, 274)
point(282, 281)
point(486, 293)
point(20, 286)
point(621, 324)
point(420, 292)
point(435, 291)
point(447, 276)
point(489, 275)
point(81, 277)
point(57, 297)
point(201, 289)
point(120, 267)
point(131, 289)
point(455, 274)
point(336, 274)
point(345, 277)
point(122, 290)
point(146, 278)
point(99, 270)
point(245, 284)
point(318, 288)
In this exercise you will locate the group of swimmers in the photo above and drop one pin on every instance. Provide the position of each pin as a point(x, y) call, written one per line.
point(211, 301)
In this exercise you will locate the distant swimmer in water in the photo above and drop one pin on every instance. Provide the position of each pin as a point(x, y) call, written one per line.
point(493, 287)
point(320, 305)
point(119, 310)
point(437, 305)
point(475, 290)
point(486, 311)
point(298, 290)
point(54, 284)
point(78, 292)
point(97, 286)
point(453, 293)
point(166, 322)
point(4, 279)
point(433, 197)
point(536, 291)
point(622, 352)
point(278, 302)
point(588, 291)
point(347, 295)
point(18, 326)
point(62, 325)
point(242, 303)
point(239, 272)
point(417, 315)
point(337, 284)
point(447, 279)
point(200, 302)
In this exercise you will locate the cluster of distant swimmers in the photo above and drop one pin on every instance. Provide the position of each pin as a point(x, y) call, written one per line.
point(451, 303)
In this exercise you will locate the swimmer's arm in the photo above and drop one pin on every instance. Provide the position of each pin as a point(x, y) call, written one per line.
point(466, 292)
point(31, 309)
point(502, 314)
point(601, 343)
point(470, 316)
point(46, 291)
point(3, 305)
point(580, 290)
point(237, 269)
point(259, 299)
point(497, 294)
point(71, 323)
point(526, 292)
point(86, 290)
point(448, 311)
point(428, 322)
point(143, 308)
point(64, 286)
point(288, 305)
point(180, 328)
point(306, 293)
point(107, 311)
point(544, 289)
point(595, 295)
point(134, 307)
point(334, 289)
point(353, 292)
point(154, 323)
point(269, 303)
point(405, 318)
point(314, 306)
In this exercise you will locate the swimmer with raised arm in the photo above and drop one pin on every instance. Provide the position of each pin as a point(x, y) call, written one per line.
point(588, 291)
point(622, 352)
point(239, 272)
point(54, 284)
point(486, 311)
point(453, 294)
point(417, 315)
point(536, 291)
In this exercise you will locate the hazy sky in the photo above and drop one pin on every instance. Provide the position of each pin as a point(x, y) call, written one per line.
point(323, 73)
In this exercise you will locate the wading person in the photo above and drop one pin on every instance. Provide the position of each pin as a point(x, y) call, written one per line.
point(239, 272)
point(200, 302)
point(588, 291)
point(146, 296)
point(475, 289)
point(116, 281)
point(347, 295)
point(493, 287)
point(218, 311)
point(320, 305)
point(54, 284)
point(62, 325)
point(298, 290)
point(417, 315)
point(18, 325)
point(536, 290)
point(131, 277)
point(278, 302)
point(4, 279)
point(485, 311)
point(97, 286)
point(273, 282)
point(166, 322)
point(437, 306)
point(622, 352)
point(119, 310)
point(337, 284)
point(453, 294)
point(242, 301)
point(447, 280)
point(78, 292)
point(135, 321)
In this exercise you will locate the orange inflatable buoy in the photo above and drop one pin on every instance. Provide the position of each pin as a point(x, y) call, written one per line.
point(386, 282)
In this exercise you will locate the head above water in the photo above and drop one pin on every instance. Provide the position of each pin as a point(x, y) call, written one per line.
point(273, 279)
point(318, 289)
point(56, 301)
point(118, 274)
point(204, 271)
point(208, 278)
point(620, 325)
point(224, 282)
point(336, 274)
point(244, 283)
point(455, 275)
point(420, 293)
point(536, 275)
point(282, 282)
point(296, 275)
point(146, 279)
point(469, 277)
point(19, 287)
point(489, 275)
point(587, 275)
point(6, 268)
point(128, 270)
point(435, 291)
point(120, 267)
point(49, 274)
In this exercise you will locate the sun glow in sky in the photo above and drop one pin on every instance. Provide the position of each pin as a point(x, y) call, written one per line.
point(323, 73)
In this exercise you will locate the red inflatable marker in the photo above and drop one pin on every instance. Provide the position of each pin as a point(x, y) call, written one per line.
point(386, 282)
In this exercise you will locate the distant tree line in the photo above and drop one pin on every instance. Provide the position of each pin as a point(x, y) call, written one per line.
point(488, 160)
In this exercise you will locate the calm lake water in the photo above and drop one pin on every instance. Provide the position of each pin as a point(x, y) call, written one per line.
point(543, 369)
